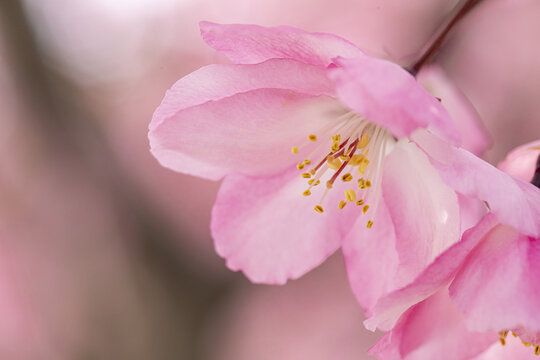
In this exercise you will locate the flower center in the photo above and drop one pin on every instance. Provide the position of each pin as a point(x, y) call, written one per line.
point(504, 334)
point(350, 150)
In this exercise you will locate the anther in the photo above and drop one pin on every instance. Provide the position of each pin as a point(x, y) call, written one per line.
point(360, 202)
point(537, 350)
point(345, 157)
point(333, 164)
point(319, 209)
point(294, 149)
point(329, 184)
point(369, 224)
point(300, 166)
point(526, 344)
point(342, 204)
point(362, 166)
point(365, 209)
point(364, 141)
point(368, 183)
point(312, 137)
point(306, 175)
point(502, 341)
point(362, 183)
point(307, 162)
point(347, 177)
point(306, 193)
point(350, 195)
point(356, 160)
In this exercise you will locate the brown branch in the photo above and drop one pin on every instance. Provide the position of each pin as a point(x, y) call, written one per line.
point(469, 5)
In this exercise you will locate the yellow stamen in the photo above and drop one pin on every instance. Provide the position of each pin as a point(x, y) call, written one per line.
point(319, 209)
point(364, 141)
point(368, 183)
point(363, 165)
point(347, 177)
point(306, 175)
point(365, 209)
point(350, 195)
point(312, 137)
point(312, 171)
point(502, 341)
point(356, 160)
point(294, 149)
point(333, 164)
point(537, 350)
point(306, 193)
point(362, 183)
point(526, 344)
point(514, 335)
point(329, 184)
point(342, 204)
point(369, 224)
point(336, 138)
point(360, 202)
point(300, 166)
point(335, 146)
point(307, 162)
point(345, 157)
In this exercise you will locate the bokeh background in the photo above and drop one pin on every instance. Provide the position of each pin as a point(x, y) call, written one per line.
point(106, 255)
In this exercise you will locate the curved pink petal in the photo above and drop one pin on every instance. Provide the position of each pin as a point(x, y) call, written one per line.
point(387, 95)
point(249, 44)
point(513, 350)
point(475, 137)
point(266, 228)
point(515, 202)
point(424, 210)
point(433, 278)
point(245, 118)
point(521, 162)
point(432, 329)
point(497, 287)
point(527, 335)
point(371, 258)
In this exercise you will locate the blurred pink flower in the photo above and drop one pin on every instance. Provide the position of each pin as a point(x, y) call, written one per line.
point(522, 161)
point(482, 285)
point(241, 120)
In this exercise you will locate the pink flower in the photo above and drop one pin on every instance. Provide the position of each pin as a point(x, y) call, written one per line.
point(484, 284)
point(313, 102)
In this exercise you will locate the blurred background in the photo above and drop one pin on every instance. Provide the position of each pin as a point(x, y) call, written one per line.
point(106, 255)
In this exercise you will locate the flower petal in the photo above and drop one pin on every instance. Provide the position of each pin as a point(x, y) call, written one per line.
point(521, 162)
point(371, 258)
point(497, 286)
point(386, 94)
point(515, 202)
point(266, 228)
point(432, 329)
point(424, 210)
point(245, 118)
point(434, 277)
point(250, 44)
point(474, 134)
point(513, 350)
